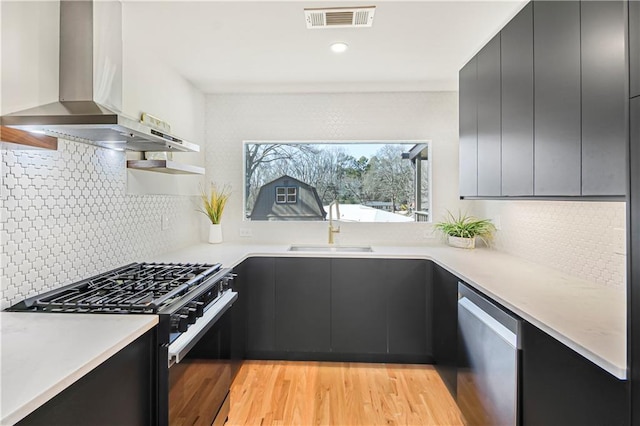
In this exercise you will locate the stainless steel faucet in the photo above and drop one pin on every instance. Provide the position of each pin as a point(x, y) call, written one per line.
point(332, 229)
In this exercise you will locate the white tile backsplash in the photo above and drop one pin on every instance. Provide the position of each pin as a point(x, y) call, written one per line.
point(65, 216)
point(575, 237)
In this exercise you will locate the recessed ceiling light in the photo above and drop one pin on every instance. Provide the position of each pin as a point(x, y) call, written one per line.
point(339, 47)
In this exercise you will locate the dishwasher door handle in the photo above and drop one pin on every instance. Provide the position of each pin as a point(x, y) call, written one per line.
point(509, 336)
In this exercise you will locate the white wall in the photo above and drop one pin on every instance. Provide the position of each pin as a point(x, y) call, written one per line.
point(30, 45)
point(232, 119)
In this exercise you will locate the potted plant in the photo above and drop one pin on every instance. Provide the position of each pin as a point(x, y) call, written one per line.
point(462, 231)
point(213, 204)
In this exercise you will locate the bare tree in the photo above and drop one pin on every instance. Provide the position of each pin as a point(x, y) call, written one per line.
point(390, 177)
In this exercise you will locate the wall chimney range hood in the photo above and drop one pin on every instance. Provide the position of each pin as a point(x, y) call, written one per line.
point(90, 88)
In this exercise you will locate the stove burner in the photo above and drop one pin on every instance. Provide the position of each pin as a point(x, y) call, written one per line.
point(135, 288)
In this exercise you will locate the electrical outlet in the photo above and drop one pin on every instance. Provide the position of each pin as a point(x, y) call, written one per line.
point(246, 233)
point(619, 241)
point(164, 222)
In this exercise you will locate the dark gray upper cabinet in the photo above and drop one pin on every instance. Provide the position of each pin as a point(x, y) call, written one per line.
point(517, 104)
point(604, 97)
point(557, 125)
point(303, 321)
point(634, 47)
point(489, 132)
point(358, 306)
point(468, 122)
point(634, 250)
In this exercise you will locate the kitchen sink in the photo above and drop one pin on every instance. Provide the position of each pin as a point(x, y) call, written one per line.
point(331, 248)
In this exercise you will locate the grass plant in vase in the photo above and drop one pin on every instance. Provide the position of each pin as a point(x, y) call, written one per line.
point(462, 230)
point(213, 203)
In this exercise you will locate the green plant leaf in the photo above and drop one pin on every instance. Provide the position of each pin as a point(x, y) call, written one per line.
point(465, 226)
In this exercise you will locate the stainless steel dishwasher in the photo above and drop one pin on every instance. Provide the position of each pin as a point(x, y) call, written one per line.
point(488, 364)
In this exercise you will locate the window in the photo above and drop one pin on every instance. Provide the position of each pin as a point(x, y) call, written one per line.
point(372, 181)
point(286, 195)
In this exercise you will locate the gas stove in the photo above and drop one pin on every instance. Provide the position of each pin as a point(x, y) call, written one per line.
point(181, 291)
point(193, 335)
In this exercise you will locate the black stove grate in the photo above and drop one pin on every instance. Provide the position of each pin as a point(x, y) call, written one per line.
point(134, 288)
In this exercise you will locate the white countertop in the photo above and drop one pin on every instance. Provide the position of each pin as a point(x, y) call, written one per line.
point(587, 317)
point(43, 353)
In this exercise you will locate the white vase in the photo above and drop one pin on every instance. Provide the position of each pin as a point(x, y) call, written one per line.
point(466, 243)
point(215, 233)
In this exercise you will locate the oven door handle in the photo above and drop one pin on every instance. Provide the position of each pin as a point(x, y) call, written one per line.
point(187, 340)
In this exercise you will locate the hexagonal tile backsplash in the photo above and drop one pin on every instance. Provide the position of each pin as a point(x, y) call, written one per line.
point(575, 237)
point(65, 216)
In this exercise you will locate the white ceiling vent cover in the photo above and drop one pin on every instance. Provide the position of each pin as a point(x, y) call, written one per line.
point(340, 17)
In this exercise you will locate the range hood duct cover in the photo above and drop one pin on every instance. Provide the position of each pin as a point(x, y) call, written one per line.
point(87, 111)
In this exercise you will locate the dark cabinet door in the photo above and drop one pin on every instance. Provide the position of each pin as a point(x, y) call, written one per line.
point(120, 391)
point(468, 127)
point(445, 326)
point(358, 306)
point(560, 387)
point(409, 296)
point(634, 47)
point(557, 123)
point(603, 97)
point(517, 104)
point(260, 304)
point(489, 132)
point(303, 312)
point(634, 250)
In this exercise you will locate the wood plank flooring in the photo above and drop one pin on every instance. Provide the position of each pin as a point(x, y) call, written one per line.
point(340, 394)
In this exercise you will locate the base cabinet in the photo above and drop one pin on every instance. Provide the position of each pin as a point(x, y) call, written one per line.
point(560, 387)
point(302, 317)
point(120, 391)
point(445, 326)
point(358, 307)
point(259, 294)
point(375, 310)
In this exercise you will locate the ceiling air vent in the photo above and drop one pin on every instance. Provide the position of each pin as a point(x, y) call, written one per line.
point(340, 17)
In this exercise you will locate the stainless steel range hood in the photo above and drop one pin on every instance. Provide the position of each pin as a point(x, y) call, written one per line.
point(90, 90)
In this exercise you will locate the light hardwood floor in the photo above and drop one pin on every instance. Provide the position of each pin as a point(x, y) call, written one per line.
point(340, 394)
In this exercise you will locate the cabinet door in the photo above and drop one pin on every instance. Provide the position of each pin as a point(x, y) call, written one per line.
point(634, 249)
point(517, 104)
point(634, 47)
point(603, 97)
point(445, 326)
point(468, 122)
point(560, 387)
point(557, 124)
point(489, 132)
point(303, 305)
point(260, 307)
point(409, 296)
point(358, 306)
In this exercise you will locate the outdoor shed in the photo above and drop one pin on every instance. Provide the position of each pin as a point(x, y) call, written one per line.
point(287, 198)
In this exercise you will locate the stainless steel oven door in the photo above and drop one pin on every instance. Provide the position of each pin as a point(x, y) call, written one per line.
point(200, 368)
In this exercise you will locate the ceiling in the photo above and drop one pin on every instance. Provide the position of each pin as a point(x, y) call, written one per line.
point(265, 47)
